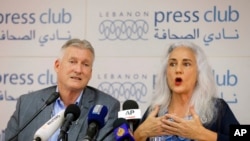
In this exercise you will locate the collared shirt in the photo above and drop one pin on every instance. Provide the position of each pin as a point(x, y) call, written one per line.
point(59, 106)
point(171, 137)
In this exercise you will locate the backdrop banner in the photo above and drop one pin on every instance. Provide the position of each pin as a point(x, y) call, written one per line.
point(130, 38)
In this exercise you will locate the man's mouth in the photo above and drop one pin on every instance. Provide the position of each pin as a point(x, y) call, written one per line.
point(77, 78)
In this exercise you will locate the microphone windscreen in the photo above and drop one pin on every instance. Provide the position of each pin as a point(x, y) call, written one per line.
point(74, 110)
point(97, 114)
point(122, 130)
point(46, 131)
point(131, 113)
point(130, 104)
point(119, 122)
point(52, 98)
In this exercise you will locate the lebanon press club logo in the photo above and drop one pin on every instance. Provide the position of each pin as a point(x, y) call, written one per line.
point(126, 90)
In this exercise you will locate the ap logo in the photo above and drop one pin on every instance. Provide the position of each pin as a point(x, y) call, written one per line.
point(239, 132)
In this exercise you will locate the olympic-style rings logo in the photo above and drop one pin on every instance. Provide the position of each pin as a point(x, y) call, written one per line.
point(123, 30)
point(125, 90)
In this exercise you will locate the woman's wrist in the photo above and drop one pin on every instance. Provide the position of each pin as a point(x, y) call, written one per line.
point(207, 135)
point(140, 134)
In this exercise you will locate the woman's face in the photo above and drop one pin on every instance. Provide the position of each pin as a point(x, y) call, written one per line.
point(182, 71)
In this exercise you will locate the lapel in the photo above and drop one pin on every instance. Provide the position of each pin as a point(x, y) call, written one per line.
point(47, 111)
point(78, 128)
point(44, 115)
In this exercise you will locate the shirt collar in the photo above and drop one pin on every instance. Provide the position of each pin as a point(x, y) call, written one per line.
point(59, 105)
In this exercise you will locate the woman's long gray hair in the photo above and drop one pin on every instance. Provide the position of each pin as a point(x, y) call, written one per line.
point(205, 90)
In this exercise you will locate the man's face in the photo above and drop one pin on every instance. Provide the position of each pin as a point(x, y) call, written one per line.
point(74, 69)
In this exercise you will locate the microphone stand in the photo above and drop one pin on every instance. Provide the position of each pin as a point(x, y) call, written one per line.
point(63, 135)
point(50, 100)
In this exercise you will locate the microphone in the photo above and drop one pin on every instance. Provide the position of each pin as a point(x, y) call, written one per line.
point(49, 128)
point(122, 130)
point(131, 113)
point(71, 114)
point(96, 120)
point(50, 100)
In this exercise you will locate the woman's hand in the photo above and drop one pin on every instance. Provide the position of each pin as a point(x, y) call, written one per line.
point(188, 128)
point(151, 127)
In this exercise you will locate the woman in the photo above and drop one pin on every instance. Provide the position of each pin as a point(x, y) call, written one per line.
point(185, 105)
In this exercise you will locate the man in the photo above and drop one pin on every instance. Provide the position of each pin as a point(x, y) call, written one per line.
point(74, 70)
